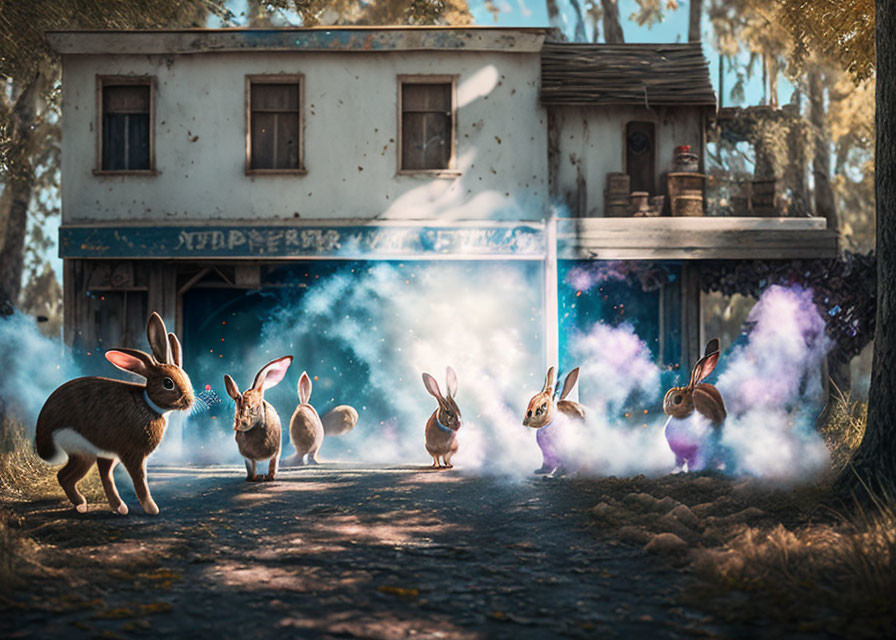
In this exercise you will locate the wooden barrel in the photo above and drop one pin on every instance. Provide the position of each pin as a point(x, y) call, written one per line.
point(618, 184)
point(618, 206)
point(687, 206)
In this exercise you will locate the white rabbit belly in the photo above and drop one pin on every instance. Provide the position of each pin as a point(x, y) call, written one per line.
point(69, 441)
point(690, 439)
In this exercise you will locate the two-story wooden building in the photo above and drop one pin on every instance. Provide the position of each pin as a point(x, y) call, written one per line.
point(199, 160)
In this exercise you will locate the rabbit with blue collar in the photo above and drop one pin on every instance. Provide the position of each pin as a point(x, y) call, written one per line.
point(442, 426)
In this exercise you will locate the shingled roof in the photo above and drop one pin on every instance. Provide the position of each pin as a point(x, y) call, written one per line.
point(625, 74)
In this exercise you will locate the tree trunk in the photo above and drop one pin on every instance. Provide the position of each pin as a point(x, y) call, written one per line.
point(825, 207)
point(580, 22)
point(20, 186)
point(797, 160)
point(821, 162)
point(694, 20)
point(257, 15)
point(874, 464)
point(12, 255)
point(772, 80)
point(612, 26)
point(554, 14)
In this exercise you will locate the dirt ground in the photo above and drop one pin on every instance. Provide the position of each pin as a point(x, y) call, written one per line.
point(347, 551)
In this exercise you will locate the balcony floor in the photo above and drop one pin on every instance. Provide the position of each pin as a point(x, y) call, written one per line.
point(696, 238)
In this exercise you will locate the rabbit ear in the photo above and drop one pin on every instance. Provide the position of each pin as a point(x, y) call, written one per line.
point(711, 347)
point(304, 388)
point(569, 383)
point(432, 386)
point(708, 401)
point(549, 381)
point(131, 360)
point(177, 354)
point(272, 373)
point(450, 382)
point(703, 368)
point(232, 390)
point(158, 338)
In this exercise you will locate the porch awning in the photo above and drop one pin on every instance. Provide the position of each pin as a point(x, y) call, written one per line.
point(696, 238)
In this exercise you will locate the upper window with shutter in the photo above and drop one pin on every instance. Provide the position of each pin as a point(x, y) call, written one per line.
point(427, 109)
point(274, 140)
point(125, 124)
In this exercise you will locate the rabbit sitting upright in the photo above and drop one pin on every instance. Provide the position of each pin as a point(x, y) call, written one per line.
point(106, 421)
point(696, 413)
point(256, 422)
point(542, 414)
point(442, 426)
point(306, 432)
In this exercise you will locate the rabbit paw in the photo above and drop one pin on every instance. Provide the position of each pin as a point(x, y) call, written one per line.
point(253, 478)
point(268, 478)
point(150, 508)
point(122, 509)
point(81, 508)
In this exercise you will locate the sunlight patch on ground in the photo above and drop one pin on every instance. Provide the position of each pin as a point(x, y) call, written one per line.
point(379, 626)
point(395, 528)
point(262, 491)
point(261, 577)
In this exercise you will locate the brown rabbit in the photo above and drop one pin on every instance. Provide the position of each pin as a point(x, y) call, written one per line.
point(540, 415)
point(442, 426)
point(305, 429)
point(696, 413)
point(106, 421)
point(256, 422)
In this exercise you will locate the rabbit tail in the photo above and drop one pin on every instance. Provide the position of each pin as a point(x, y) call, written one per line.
point(43, 441)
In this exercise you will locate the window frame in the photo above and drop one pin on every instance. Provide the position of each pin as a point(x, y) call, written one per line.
point(116, 80)
point(451, 171)
point(275, 78)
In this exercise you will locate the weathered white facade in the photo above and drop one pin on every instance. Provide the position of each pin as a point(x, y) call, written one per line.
point(530, 141)
point(350, 130)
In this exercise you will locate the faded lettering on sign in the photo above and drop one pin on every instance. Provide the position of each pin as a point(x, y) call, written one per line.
point(274, 241)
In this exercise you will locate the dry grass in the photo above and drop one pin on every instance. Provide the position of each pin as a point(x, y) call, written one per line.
point(814, 569)
point(839, 579)
point(844, 430)
point(24, 476)
point(765, 556)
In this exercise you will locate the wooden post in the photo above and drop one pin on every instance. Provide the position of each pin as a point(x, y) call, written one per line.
point(554, 126)
point(68, 302)
point(690, 314)
point(551, 311)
